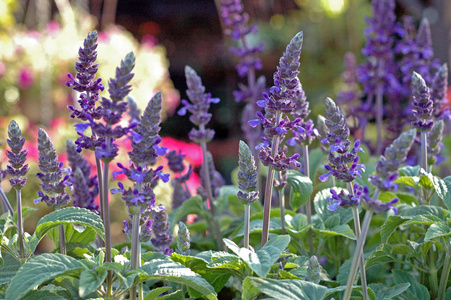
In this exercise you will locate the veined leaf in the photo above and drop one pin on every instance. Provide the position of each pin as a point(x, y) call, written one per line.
point(154, 293)
point(390, 226)
point(407, 180)
point(410, 171)
point(301, 189)
point(90, 280)
point(320, 202)
point(388, 292)
point(447, 197)
point(284, 289)
point(40, 269)
point(415, 290)
point(9, 268)
point(193, 205)
point(436, 230)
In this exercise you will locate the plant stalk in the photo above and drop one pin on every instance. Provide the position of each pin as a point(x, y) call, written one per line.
point(379, 115)
point(357, 254)
point(269, 186)
point(445, 273)
point(106, 215)
point(424, 151)
point(355, 213)
point(308, 205)
point(282, 208)
point(135, 245)
point(6, 206)
point(247, 218)
point(20, 224)
point(62, 237)
point(433, 280)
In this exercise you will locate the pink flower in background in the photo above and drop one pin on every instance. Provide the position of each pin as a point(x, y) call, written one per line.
point(192, 151)
point(26, 78)
point(2, 69)
point(53, 28)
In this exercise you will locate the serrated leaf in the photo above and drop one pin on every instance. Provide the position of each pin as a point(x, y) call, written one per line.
point(261, 261)
point(166, 270)
point(436, 230)
point(9, 268)
point(426, 180)
point(383, 254)
point(193, 205)
point(447, 197)
point(73, 234)
point(424, 210)
point(390, 226)
point(415, 290)
point(90, 280)
point(388, 292)
point(69, 215)
point(301, 189)
point(39, 269)
point(154, 293)
point(287, 289)
point(410, 171)
point(407, 180)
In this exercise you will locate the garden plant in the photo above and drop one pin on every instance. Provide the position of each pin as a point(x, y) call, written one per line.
point(317, 211)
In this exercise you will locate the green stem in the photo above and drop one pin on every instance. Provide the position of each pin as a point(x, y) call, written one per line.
point(282, 207)
point(433, 280)
point(445, 273)
point(20, 231)
point(135, 248)
point(269, 186)
point(424, 151)
point(62, 237)
point(357, 254)
point(247, 217)
point(308, 205)
point(355, 213)
point(106, 215)
point(6, 206)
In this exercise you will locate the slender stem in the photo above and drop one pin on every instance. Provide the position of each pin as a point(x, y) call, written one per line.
point(100, 241)
point(20, 224)
point(247, 217)
point(135, 245)
point(445, 273)
point(433, 280)
point(308, 205)
point(355, 213)
point(424, 151)
point(282, 207)
point(62, 237)
point(379, 114)
point(6, 206)
point(357, 254)
point(106, 215)
point(269, 186)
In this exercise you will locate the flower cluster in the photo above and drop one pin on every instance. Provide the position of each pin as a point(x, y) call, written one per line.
point(86, 187)
point(377, 205)
point(338, 139)
point(345, 199)
point(175, 164)
point(17, 157)
point(280, 101)
point(53, 183)
point(389, 163)
point(247, 175)
point(160, 226)
point(200, 103)
point(435, 144)
point(439, 86)
point(421, 103)
point(183, 240)
point(235, 23)
point(145, 232)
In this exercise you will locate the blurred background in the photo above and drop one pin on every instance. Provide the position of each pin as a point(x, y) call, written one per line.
point(39, 40)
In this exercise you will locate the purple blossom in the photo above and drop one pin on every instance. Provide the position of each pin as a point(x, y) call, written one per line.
point(435, 145)
point(439, 86)
point(17, 157)
point(345, 199)
point(377, 205)
point(161, 230)
point(421, 103)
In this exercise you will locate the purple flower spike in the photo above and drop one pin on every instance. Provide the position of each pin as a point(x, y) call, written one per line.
point(344, 199)
point(377, 205)
point(439, 86)
point(17, 157)
point(422, 103)
point(161, 229)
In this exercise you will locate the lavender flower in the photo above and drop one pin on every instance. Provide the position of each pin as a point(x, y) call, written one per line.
point(338, 139)
point(53, 183)
point(345, 199)
point(145, 147)
point(86, 187)
point(175, 161)
point(17, 157)
point(200, 103)
point(175, 164)
point(434, 138)
point(422, 103)
point(160, 225)
point(183, 240)
point(216, 179)
point(439, 87)
point(235, 23)
point(388, 165)
point(377, 206)
point(247, 175)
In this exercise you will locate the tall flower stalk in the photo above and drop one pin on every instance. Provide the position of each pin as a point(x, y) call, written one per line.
point(247, 182)
point(53, 180)
point(383, 179)
point(18, 170)
point(275, 125)
point(200, 103)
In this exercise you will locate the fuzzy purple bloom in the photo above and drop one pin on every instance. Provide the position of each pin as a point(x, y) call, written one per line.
point(17, 157)
point(345, 199)
point(434, 139)
point(53, 183)
point(160, 226)
point(377, 205)
point(422, 104)
point(175, 161)
point(439, 86)
point(247, 175)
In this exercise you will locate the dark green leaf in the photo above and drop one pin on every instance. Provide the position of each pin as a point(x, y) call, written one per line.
point(383, 254)
point(9, 268)
point(154, 293)
point(301, 189)
point(415, 290)
point(90, 280)
point(37, 294)
point(447, 197)
point(436, 230)
point(193, 205)
point(385, 292)
point(390, 226)
point(410, 171)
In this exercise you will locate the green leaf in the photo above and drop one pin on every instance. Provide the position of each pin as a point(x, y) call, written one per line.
point(407, 180)
point(37, 294)
point(74, 234)
point(40, 269)
point(177, 295)
point(390, 226)
point(69, 215)
point(153, 294)
point(406, 198)
point(316, 159)
point(250, 292)
point(340, 230)
point(388, 292)
point(166, 270)
point(415, 290)
point(301, 189)
point(426, 179)
point(447, 197)
point(383, 254)
point(261, 261)
point(437, 230)
point(9, 268)
point(425, 210)
point(287, 289)
point(90, 280)
point(193, 205)
point(320, 202)
point(423, 219)
point(410, 171)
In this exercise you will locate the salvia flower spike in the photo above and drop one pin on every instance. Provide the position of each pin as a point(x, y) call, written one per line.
point(439, 87)
point(435, 144)
point(53, 180)
point(17, 157)
point(247, 175)
point(183, 240)
point(161, 230)
point(422, 104)
point(387, 167)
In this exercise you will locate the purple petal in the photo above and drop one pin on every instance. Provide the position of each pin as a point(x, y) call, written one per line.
point(163, 176)
point(137, 138)
point(254, 123)
point(262, 103)
point(324, 177)
point(160, 150)
point(81, 127)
